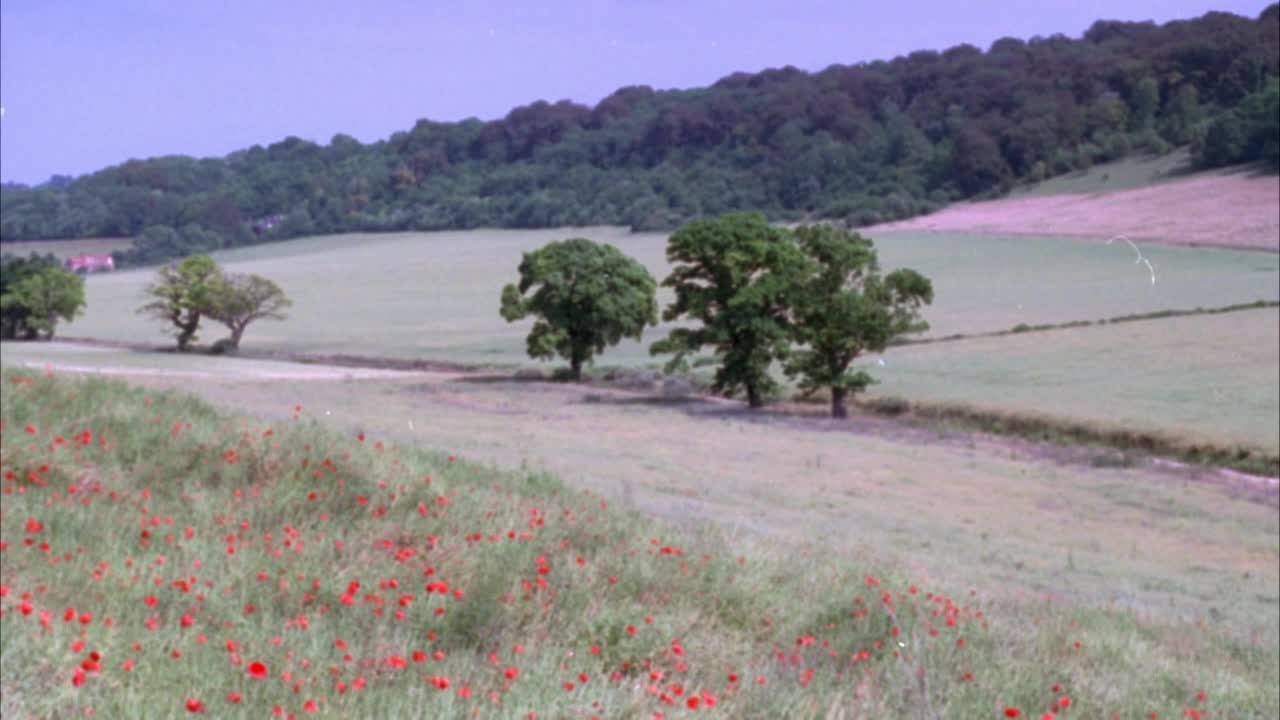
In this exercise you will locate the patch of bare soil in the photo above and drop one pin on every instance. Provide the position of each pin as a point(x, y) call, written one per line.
point(1239, 210)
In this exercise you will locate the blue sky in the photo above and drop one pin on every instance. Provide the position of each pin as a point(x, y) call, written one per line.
point(86, 84)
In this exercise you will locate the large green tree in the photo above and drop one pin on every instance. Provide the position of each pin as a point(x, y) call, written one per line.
point(844, 307)
point(182, 294)
point(734, 275)
point(14, 313)
point(50, 295)
point(586, 295)
point(237, 300)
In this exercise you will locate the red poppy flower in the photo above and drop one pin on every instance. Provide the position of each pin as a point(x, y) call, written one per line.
point(194, 705)
point(257, 670)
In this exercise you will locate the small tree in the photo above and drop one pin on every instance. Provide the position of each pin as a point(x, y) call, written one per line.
point(237, 300)
point(181, 296)
point(589, 296)
point(48, 296)
point(845, 308)
point(734, 274)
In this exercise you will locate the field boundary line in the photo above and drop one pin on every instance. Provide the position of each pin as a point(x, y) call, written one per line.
point(1024, 328)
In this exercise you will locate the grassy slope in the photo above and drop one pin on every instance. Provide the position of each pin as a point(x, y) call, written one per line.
point(168, 491)
point(1154, 541)
point(1131, 172)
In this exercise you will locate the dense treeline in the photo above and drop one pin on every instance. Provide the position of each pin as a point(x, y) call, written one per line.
point(863, 143)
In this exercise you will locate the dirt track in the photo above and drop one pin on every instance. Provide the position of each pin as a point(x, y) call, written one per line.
point(1232, 211)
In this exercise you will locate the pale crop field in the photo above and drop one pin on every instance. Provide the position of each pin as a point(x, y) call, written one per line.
point(1211, 375)
point(63, 249)
point(435, 295)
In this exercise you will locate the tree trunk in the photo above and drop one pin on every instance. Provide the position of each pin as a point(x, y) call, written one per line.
point(754, 399)
point(187, 331)
point(838, 409)
point(575, 368)
point(236, 334)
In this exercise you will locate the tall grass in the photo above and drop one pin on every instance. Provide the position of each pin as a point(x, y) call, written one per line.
point(154, 551)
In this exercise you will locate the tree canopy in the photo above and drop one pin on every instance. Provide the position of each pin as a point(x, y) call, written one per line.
point(811, 299)
point(587, 296)
point(735, 275)
point(237, 300)
point(14, 315)
point(196, 288)
point(844, 307)
point(182, 294)
point(35, 294)
point(857, 143)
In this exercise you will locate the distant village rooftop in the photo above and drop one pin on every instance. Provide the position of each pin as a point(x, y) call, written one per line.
point(89, 263)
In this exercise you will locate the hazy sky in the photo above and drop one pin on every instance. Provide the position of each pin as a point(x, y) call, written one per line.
point(90, 83)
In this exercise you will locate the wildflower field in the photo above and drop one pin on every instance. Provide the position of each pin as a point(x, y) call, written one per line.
point(161, 559)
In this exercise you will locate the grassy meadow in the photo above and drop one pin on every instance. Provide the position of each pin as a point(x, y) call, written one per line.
point(1126, 174)
point(161, 559)
point(1207, 375)
point(435, 296)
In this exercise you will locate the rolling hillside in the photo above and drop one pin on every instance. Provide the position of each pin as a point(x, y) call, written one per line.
point(863, 144)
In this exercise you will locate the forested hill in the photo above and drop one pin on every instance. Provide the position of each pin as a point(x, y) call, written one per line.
point(863, 143)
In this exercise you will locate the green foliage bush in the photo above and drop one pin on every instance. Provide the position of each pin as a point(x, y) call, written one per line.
point(35, 293)
point(586, 295)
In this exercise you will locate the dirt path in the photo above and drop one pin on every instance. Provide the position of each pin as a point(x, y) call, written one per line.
point(1238, 210)
point(286, 371)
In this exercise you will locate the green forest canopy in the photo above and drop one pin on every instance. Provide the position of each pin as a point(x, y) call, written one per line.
point(862, 143)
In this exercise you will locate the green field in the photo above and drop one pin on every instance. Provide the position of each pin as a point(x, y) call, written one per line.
point(435, 295)
point(1127, 174)
point(1208, 375)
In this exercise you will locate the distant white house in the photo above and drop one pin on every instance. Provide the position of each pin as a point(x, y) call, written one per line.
point(89, 263)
